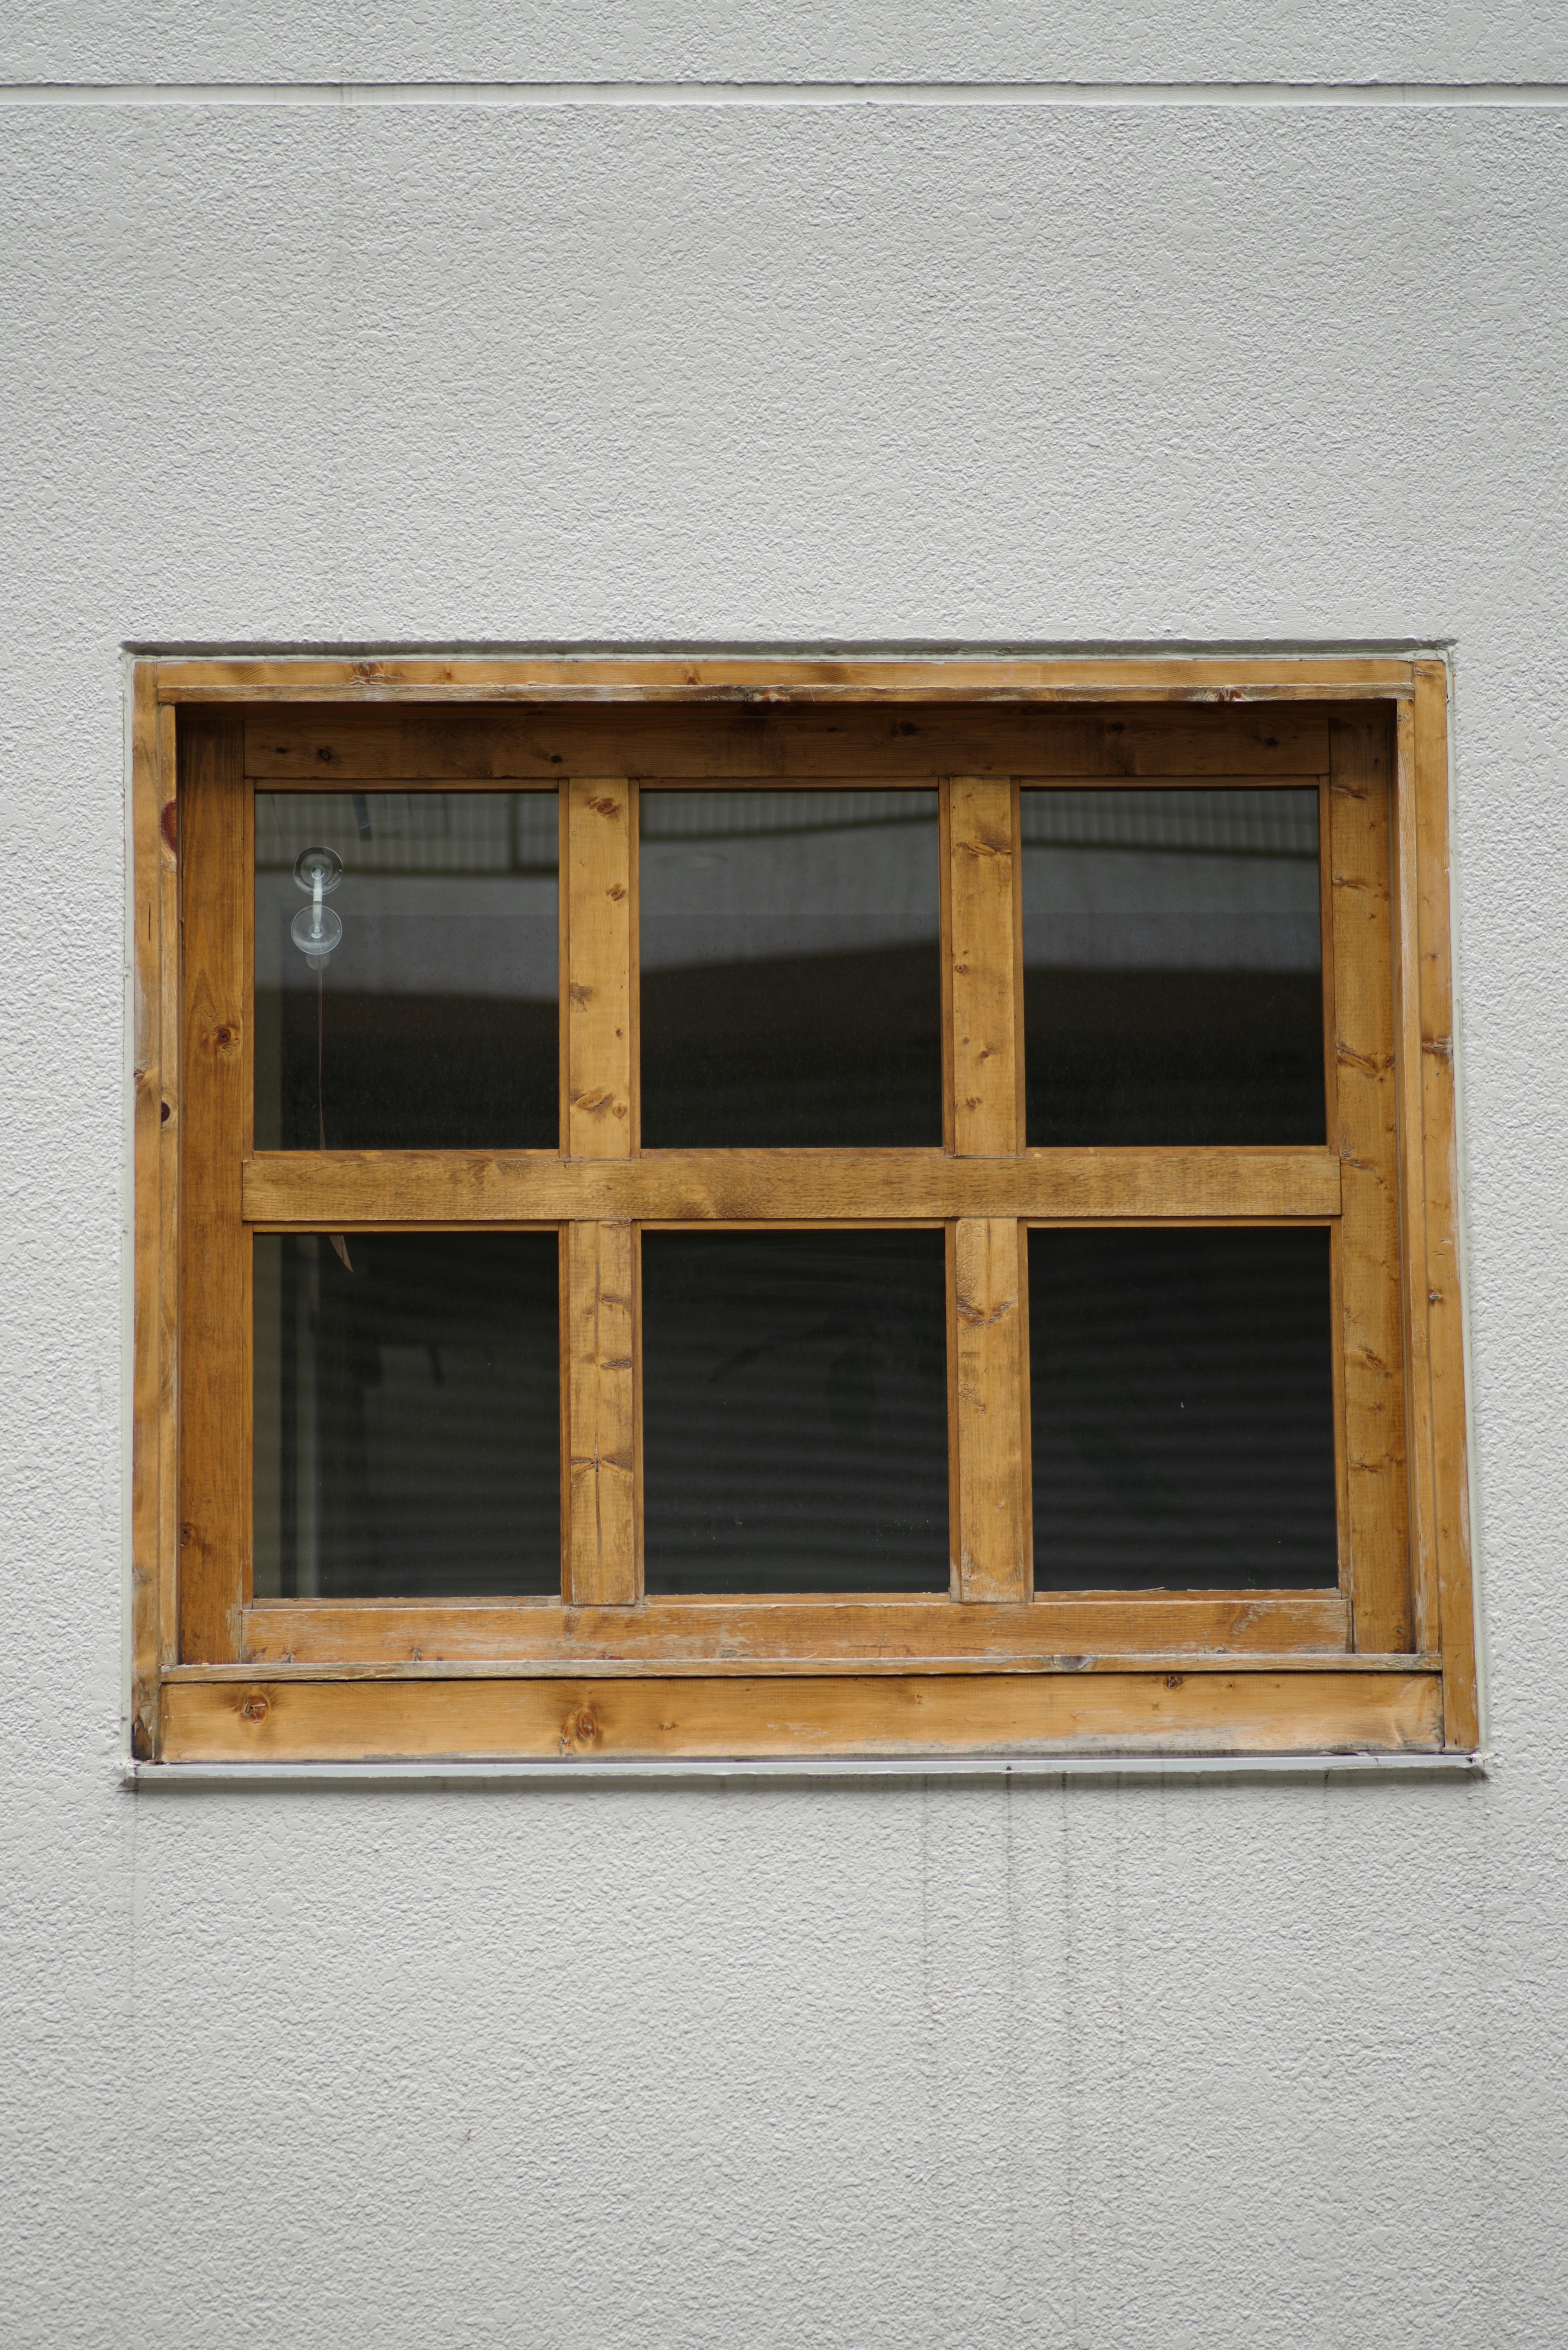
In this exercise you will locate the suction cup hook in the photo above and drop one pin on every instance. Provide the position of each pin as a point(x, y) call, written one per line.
point(315, 930)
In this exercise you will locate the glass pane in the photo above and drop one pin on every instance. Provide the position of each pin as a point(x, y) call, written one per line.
point(794, 1411)
point(790, 969)
point(1173, 966)
point(407, 1416)
point(432, 1023)
point(1182, 1399)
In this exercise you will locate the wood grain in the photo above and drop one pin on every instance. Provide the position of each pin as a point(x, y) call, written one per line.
point(333, 748)
point(322, 1191)
point(602, 1563)
point(1358, 853)
point(986, 993)
point(1427, 976)
point(801, 1675)
point(768, 681)
point(1194, 1711)
point(170, 1032)
point(1053, 1629)
point(147, 1299)
point(597, 889)
point(215, 1421)
point(990, 1351)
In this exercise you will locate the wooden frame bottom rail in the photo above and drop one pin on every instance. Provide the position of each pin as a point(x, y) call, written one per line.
point(249, 1718)
point(679, 1634)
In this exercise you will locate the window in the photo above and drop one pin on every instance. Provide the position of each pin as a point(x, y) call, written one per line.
point(716, 1209)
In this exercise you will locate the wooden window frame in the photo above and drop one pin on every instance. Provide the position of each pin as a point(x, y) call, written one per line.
point(1386, 1663)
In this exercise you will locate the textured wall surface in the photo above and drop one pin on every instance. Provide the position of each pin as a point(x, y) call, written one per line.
point(1233, 2066)
point(812, 40)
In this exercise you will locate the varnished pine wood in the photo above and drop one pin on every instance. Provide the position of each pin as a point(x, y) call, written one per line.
point(1422, 1497)
point(1431, 983)
point(215, 1421)
point(602, 1567)
point(991, 1361)
point(1358, 853)
point(147, 1299)
point(1055, 1629)
point(1192, 1711)
point(739, 736)
point(322, 1191)
point(596, 885)
point(522, 678)
point(170, 1032)
point(987, 980)
point(338, 748)
point(802, 1665)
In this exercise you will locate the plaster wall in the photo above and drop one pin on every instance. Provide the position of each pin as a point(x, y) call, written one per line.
point(1277, 2065)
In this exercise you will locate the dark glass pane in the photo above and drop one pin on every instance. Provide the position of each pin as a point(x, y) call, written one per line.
point(1182, 1400)
point(1173, 966)
point(407, 1416)
point(794, 1411)
point(790, 969)
point(433, 1024)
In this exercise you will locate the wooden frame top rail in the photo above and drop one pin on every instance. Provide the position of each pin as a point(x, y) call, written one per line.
point(652, 677)
point(407, 745)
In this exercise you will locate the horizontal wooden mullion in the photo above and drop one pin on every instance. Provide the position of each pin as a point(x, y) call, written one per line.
point(676, 1633)
point(1224, 1710)
point(326, 1190)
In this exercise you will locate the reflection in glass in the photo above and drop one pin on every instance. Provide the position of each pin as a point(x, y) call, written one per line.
point(1182, 1401)
point(794, 1411)
point(1172, 954)
point(432, 1023)
point(791, 968)
point(407, 1416)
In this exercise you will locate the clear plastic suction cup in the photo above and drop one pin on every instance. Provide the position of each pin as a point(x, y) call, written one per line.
point(315, 930)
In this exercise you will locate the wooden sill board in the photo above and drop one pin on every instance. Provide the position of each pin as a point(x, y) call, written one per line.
point(261, 1717)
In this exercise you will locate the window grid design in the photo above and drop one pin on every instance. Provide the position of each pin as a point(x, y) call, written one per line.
point(1385, 1660)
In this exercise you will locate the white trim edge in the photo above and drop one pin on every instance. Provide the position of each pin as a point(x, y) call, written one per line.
point(1027, 1770)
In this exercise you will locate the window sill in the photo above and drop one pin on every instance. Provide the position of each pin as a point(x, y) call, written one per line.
point(1031, 1771)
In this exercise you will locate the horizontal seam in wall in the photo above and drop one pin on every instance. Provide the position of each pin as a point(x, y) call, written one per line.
point(654, 94)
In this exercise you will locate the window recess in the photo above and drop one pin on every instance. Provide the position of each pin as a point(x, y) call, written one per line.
point(751, 1209)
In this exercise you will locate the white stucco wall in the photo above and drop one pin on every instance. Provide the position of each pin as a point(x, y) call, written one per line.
point(1235, 2066)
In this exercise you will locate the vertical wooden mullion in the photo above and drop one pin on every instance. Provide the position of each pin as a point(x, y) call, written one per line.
point(1426, 965)
point(601, 1549)
point(601, 1379)
point(1364, 1102)
point(984, 1008)
point(983, 962)
point(992, 1385)
point(596, 884)
point(945, 933)
point(215, 1366)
